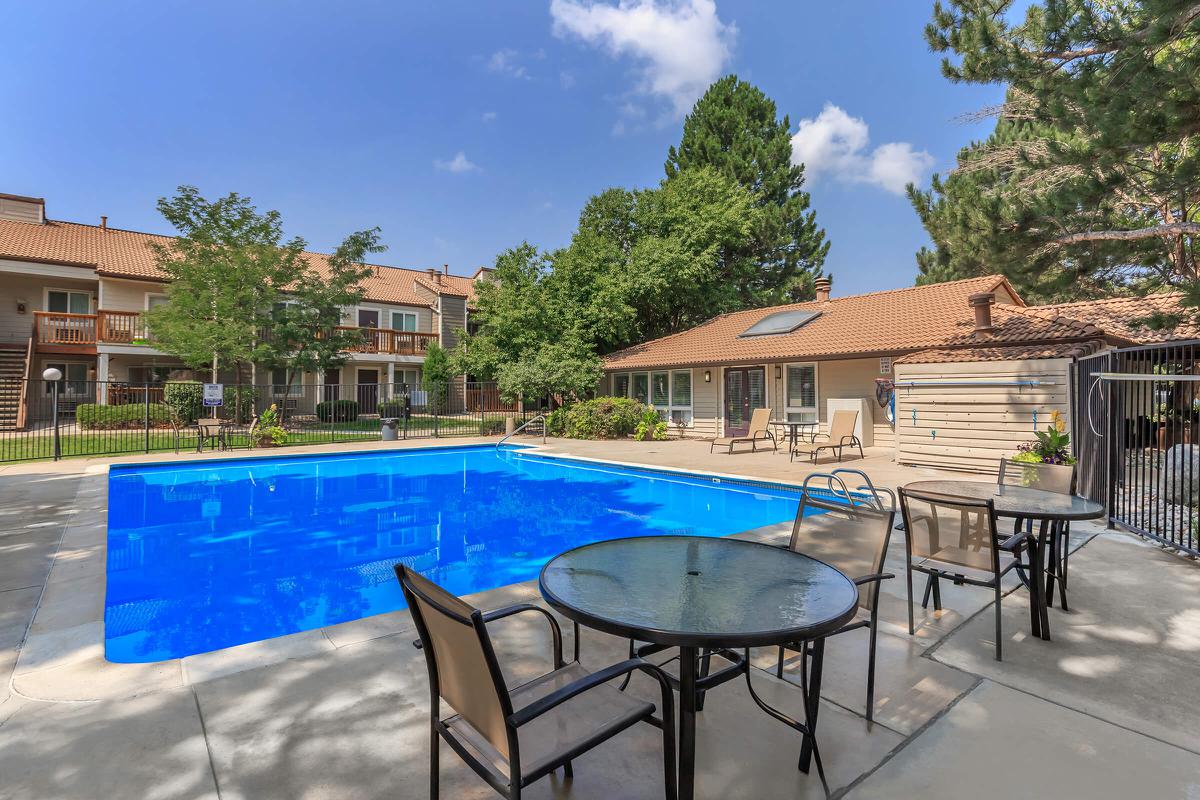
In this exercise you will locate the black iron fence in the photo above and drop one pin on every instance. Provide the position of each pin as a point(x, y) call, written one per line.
point(62, 419)
point(1137, 436)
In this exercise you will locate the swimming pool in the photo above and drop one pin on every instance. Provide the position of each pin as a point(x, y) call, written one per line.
point(212, 554)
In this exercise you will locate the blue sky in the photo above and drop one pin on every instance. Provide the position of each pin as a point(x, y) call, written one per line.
point(463, 128)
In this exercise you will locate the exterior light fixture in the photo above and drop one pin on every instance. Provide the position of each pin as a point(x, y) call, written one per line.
point(778, 372)
point(52, 374)
point(708, 376)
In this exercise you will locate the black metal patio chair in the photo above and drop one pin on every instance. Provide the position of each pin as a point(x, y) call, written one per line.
point(513, 737)
point(952, 538)
point(852, 535)
point(1057, 478)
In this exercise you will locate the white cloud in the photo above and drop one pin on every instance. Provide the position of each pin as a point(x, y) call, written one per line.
point(681, 46)
point(507, 62)
point(459, 164)
point(836, 143)
point(489, 116)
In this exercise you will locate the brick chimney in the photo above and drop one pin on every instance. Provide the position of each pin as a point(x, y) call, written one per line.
point(445, 269)
point(982, 303)
point(823, 285)
point(103, 222)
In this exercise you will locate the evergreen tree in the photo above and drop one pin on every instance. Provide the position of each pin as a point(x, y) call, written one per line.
point(1090, 183)
point(734, 130)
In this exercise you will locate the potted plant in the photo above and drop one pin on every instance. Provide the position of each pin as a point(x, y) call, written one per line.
point(1051, 447)
point(269, 433)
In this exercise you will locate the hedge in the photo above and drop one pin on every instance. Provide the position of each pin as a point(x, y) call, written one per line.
point(184, 398)
point(599, 418)
point(93, 416)
point(337, 410)
point(391, 408)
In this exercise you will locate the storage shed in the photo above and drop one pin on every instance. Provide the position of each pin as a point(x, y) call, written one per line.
point(967, 408)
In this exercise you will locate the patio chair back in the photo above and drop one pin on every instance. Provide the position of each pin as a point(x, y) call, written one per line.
point(953, 532)
point(852, 538)
point(1059, 478)
point(760, 420)
point(842, 425)
point(208, 423)
point(458, 652)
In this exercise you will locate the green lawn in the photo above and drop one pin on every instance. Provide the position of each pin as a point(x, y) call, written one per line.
point(40, 445)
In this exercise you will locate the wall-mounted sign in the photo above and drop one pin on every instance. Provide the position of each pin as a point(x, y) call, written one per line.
point(885, 365)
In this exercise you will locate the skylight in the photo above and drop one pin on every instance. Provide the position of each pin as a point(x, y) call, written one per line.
point(780, 322)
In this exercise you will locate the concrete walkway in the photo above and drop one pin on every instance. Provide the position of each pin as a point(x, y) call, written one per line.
point(1109, 708)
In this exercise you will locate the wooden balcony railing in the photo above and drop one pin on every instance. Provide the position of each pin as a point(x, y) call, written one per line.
point(129, 327)
point(388, 341)
point(122, 327)
point(64, 329)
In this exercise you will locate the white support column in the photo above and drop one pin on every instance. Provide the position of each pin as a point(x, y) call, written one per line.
point(102, 377)
point(391, 379)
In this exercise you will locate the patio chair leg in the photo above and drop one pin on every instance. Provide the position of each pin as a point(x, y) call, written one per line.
point(779, 666)
point(908, 576)
point(435, 742)
point(568, 771)
point(928, 591)
point(1065, 533)
point(705, 665)
point(871, 670)
point(998, 632)
point(628, 675)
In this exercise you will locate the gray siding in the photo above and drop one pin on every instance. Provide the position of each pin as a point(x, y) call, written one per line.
point(16, 328)
point(453, 317)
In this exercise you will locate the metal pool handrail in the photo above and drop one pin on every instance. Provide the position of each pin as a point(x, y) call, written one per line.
point(522, 427)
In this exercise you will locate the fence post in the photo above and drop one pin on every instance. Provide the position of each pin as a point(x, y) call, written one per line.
point(54, 417)
point(436, 403)
point(146, 395)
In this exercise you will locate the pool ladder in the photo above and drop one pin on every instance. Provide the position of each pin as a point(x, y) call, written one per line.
point(522, 427)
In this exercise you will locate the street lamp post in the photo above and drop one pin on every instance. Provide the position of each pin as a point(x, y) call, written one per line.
point(53, 376)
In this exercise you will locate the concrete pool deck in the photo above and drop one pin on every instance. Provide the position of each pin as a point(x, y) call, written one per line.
point(1110, 708)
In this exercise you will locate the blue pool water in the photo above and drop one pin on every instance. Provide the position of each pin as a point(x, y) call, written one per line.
point(208, 555)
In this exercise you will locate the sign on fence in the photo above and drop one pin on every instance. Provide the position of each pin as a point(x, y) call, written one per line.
point(214, 394)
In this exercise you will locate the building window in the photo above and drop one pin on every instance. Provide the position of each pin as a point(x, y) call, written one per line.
point(407, 380)
point(155, 300)
point(681, 398)
point(660, 390)
point(61, 301)
point(279, 383)
point(74, 381)
point(620, 384)
point(149, 373)
point(404, 321)
point(801, 393)
point(641, 387)
point(368, 318)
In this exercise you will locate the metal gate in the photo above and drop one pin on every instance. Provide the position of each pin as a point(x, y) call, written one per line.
point(1137, 437)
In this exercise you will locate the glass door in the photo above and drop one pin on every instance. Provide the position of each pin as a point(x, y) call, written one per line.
point(745, 390)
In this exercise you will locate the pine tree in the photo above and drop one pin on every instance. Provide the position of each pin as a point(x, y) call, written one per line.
point(734, 130)
point(1090, 183)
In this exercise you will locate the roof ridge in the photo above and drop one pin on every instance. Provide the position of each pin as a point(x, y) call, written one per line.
point(1107, 300)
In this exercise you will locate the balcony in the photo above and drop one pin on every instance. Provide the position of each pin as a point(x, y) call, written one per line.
point(55, 332)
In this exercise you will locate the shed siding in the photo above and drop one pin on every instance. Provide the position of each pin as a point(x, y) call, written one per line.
point(969, 427)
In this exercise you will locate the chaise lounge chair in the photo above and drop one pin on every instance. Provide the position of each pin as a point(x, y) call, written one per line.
point(841, 435)
point(760, 422)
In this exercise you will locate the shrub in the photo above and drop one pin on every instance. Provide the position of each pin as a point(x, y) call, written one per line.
point(391, 408)
point(599, 418)
point(650, 426)
point(185, 399)
point(337, 410)
point(92, 416)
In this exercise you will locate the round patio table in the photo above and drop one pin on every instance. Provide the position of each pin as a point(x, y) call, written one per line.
point(1021, 502)
point(793, 429)
point(703, 594)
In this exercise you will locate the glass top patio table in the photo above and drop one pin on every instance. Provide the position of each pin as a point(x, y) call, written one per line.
point(1015, 501)
point(693, 591)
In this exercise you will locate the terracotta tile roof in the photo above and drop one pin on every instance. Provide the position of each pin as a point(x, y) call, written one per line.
point(1117, 316)
point(120, 253)
point(1020, 352)
point(880, 323)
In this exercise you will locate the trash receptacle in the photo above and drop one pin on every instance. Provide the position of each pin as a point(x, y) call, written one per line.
point(388, 429)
